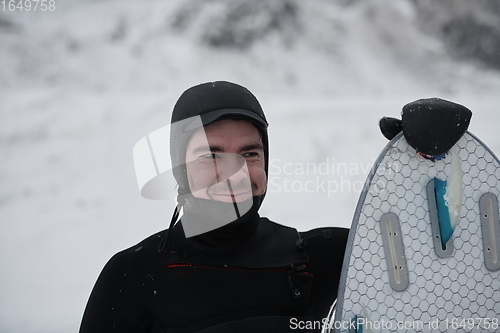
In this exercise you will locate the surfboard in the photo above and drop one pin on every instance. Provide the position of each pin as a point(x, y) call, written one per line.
point(398, 275)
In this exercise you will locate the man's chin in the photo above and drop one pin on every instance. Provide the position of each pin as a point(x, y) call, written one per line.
point(235, 198)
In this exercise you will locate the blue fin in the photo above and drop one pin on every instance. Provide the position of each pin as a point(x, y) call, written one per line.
point(445, 227)
point(354, 325)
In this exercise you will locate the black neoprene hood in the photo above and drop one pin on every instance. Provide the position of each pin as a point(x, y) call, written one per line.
point(213, 100)
point(433, 125)
point(430, 125)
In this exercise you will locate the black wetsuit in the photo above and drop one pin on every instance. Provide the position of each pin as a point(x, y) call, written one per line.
point(238, 278)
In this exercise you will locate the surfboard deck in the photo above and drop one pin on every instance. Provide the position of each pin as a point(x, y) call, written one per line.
point(396, 276)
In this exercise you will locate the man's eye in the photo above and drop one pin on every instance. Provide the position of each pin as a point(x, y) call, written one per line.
point(209, 156)
point(251, 154)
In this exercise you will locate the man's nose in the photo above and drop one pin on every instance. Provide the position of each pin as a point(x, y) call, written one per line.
point(232, 167)
point(240, 175)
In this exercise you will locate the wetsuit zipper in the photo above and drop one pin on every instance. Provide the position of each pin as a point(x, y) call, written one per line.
point(278, 269)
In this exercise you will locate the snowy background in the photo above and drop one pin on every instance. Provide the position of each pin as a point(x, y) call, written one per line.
point(80, 85)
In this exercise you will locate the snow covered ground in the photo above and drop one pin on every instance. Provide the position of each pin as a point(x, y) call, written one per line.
point(85, 82)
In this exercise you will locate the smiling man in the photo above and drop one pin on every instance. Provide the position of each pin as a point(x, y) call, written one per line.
point(222, 268)
point(218, 152)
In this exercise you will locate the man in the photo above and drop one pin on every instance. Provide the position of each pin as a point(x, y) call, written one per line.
point(223, 268)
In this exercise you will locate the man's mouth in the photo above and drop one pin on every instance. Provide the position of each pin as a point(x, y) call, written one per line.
point(237, 196)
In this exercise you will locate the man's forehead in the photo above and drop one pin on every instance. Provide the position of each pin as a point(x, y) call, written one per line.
point(226, 138)
point(225, 128)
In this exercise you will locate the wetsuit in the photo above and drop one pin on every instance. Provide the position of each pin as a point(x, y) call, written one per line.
point(254, 277)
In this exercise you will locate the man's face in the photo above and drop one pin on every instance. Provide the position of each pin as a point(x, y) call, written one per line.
point(225, 162)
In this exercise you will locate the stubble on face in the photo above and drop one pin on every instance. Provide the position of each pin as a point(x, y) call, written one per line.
point(225, 162)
